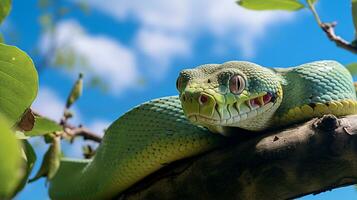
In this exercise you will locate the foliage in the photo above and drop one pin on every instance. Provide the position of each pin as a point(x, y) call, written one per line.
point(271, 4)
point(76, 92)
point(11, 166)
point(29, 157)
point(43, 126)
point(18, 82)
point(5, 7)
point(354, 15)
point(51, 161)
point(18, 89)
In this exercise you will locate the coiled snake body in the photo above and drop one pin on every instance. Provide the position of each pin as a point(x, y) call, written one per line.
point(213, 98)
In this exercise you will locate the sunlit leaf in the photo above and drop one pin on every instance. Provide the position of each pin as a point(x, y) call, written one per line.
point(2, 38)
point(76, 91)
point(11, 165)
point(21, 135)
point(312, 1)
point(29, 158)
point(18, 82)
point(5, 7)
point(43, 126)
point(50, 162)
point(354, 15)
point(290, 5)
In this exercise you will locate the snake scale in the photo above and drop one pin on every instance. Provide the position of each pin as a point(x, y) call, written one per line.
point(212, 98)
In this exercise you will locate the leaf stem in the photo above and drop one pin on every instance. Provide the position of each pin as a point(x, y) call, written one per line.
point(314, 12)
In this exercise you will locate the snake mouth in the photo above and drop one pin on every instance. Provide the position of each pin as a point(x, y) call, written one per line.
point(236, 112)
point(261, 100)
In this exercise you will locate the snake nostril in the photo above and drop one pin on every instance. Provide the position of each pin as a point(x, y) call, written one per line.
point(203, 99)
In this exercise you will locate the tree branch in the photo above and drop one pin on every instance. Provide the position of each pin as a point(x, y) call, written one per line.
point(80, 131)
point(73, 131)
point(316, 156)
point(329, 29)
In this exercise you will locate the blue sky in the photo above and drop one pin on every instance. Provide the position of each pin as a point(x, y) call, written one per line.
point(125, 42)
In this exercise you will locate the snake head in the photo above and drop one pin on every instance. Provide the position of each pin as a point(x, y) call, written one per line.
point(232, 94)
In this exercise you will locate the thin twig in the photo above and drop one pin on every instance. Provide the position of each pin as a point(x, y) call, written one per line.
point(328, 28)
point(313, 10)
point(76, 131)
point(80, 131)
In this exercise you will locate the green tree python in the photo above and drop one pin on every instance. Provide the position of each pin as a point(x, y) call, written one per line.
point(213, 98)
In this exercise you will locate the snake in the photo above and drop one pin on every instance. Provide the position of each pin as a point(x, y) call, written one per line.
point(214, 102)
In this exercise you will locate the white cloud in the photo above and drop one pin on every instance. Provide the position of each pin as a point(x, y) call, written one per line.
point(171, 15)
point(186, 20)
point(114, 63)
point(161, 46)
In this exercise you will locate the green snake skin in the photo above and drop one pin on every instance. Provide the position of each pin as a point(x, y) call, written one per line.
point(218, 97)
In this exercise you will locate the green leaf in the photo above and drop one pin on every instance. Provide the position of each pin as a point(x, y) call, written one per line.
point(1, 38)
point(21, 135)
point(290, 5)
point(76, 91)
point(51, 161)
point(312, 1)
point(43, 126)
point(11, 167)
point(352, 68)
point(29, 157)
point(5, 7)
point(18, 82)
point(354, 15)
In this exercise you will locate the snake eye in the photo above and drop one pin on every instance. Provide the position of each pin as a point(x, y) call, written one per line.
point(183, 79)
point(236, 84)
point(179, 83)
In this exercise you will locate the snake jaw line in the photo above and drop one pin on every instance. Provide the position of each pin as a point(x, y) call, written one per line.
point(231, 115)
point(261, 100)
